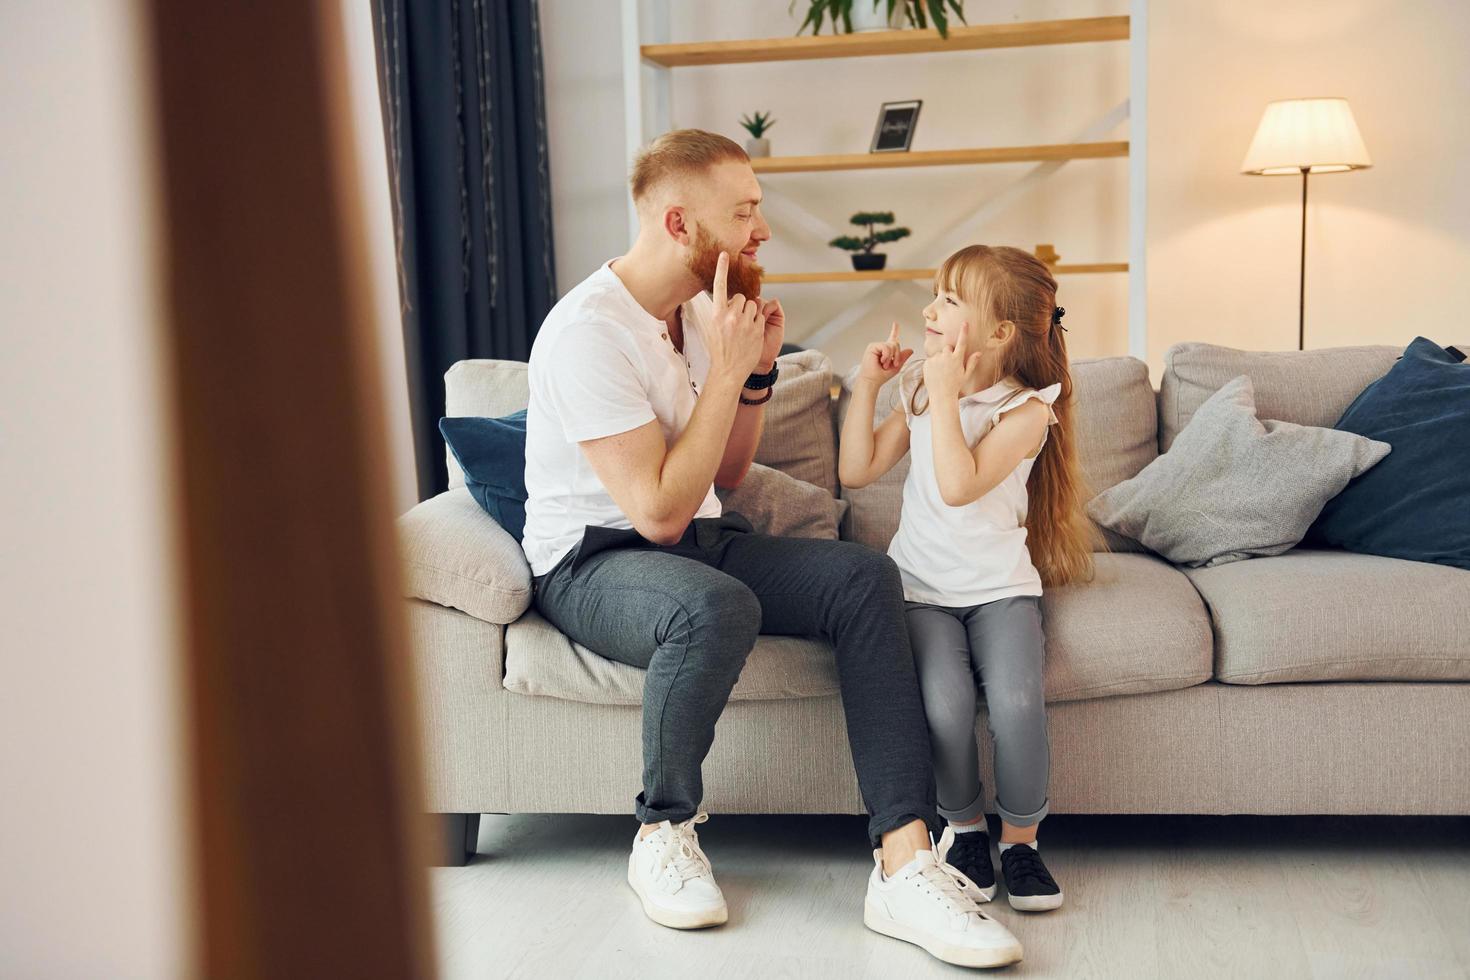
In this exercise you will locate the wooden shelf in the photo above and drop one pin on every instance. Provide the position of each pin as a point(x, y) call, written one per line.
point(884, 275)
point(939, 158)
point(982, 36)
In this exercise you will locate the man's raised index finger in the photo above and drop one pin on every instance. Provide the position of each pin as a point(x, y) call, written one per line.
point(722, 270)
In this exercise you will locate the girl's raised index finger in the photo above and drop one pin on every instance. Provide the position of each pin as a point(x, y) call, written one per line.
point(722, 270)
point(893, 337)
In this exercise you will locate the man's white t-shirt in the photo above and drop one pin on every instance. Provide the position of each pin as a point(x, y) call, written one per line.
point(600, 365)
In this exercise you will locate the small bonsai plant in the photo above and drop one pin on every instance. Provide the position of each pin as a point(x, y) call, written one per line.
point(757, 126)
point(863, 257)
point(917, 13)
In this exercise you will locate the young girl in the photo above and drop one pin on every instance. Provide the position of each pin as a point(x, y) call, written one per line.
point(992, 512)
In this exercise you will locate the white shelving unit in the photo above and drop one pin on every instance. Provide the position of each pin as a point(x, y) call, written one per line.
point(649, 61)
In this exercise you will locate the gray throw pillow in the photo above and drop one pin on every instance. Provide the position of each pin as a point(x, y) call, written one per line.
point(1232, 487)
point(784, 506)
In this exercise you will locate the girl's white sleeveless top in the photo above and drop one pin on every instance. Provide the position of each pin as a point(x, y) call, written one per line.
point(965, 556)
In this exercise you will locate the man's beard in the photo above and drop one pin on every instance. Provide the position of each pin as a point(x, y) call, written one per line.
point(743, 276)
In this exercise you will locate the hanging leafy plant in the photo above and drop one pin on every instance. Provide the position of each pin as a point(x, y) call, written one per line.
point(918, 13)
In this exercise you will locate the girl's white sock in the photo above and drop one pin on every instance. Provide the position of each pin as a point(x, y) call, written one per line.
point(969, 828)
point(1034, 845)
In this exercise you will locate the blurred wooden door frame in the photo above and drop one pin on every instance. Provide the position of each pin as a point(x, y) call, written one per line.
point(307, 847)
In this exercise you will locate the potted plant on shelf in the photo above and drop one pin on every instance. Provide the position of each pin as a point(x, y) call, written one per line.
point(853, 16)
point(864, 259)
point(757, 126)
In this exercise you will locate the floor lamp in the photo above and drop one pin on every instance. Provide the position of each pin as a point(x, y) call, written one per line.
point(1305, 136)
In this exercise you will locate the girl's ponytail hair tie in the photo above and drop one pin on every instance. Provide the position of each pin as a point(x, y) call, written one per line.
point(1056, 316)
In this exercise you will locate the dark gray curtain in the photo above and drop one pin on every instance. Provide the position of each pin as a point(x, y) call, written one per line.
point(465, 118)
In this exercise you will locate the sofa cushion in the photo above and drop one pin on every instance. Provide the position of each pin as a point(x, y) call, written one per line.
point(1413, 505)
point(492, 455)
point(542, 660)
point(797, 437)
point(1117, 427)
point(486, 388)
point(1139, 627)
point(1313, 615)
point(1116, 438)
point(1306, 387)
point(1232, 486)
point(456, 555)
point(781, 505)
point(873, 510)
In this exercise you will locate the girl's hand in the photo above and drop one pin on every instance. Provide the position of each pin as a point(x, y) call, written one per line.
point(883, 361)
point(944, 373)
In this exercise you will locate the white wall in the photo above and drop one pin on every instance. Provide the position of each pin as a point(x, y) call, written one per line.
point(1388, 247)
point(92, 834)
point(582, 60)
point(377, 207)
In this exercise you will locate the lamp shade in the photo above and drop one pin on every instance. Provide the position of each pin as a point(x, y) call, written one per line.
point(1316, 135)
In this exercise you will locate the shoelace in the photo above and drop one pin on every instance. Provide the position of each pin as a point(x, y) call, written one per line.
point(963, 851)
point(1024, 865)
point(948, 881)
point(681, 850)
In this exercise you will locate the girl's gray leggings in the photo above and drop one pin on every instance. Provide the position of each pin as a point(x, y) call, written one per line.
point(998, 648)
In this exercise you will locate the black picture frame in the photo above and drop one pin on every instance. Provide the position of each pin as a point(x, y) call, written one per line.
point(896, 124)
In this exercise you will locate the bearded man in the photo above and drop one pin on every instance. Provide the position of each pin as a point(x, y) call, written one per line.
point(647, 387)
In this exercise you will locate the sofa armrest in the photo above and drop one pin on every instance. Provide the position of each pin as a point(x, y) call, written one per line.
point(454, 554)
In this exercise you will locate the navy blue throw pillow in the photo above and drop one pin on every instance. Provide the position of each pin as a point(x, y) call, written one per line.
point(492, 453)
point(1415, 504)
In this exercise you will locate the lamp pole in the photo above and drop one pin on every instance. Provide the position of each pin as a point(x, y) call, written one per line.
point(1301, 300)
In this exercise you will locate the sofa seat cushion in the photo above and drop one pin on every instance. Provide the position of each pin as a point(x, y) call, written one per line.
point(1319, 615)
point(540, 659)
point(1138, 627)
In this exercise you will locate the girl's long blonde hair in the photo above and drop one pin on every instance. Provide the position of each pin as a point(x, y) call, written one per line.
point(1010, 284)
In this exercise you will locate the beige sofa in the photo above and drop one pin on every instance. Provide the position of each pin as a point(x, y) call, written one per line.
point(1311, 682)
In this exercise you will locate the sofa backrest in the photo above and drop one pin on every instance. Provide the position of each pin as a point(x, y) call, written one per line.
point(1117, 436)
point(1306, 387)
point(797, 438)
point(485, 388)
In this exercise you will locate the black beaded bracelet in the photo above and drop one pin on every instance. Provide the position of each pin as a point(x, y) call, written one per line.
point(770, 393)
point(759, 382)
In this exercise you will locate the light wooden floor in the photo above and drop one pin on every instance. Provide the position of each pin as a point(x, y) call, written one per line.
point(1174, 897)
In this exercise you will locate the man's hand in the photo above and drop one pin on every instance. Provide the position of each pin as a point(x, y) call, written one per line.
point(775, 334)
point(882, 361)
point(945, 372)
point(737, 335)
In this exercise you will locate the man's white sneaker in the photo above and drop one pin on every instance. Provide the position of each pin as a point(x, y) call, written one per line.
point(673, 878)
point(924, 904)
